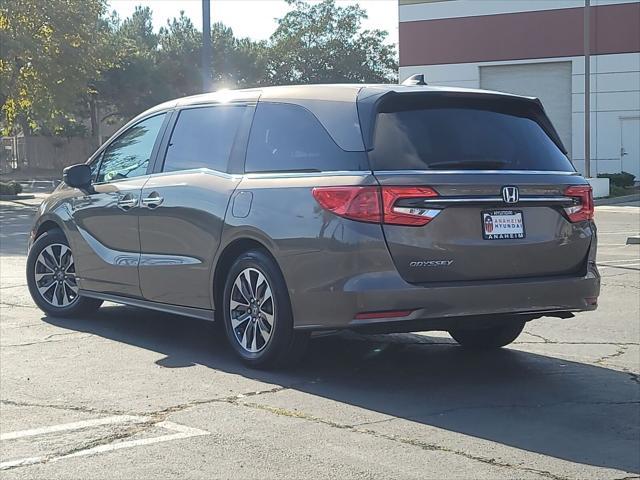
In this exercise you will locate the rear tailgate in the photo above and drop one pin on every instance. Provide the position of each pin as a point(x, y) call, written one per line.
point(499, 203)
point(455, 245)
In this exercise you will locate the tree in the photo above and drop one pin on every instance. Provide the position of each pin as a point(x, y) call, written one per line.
point(132, 83)
point(237, 62)
point(324, 43)
point(49, 52)
point(179, 57)
point(63, 62)
point(139, 29)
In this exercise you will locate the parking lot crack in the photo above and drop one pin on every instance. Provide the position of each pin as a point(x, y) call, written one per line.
point(545, 340)
point(50, 339)
point(13, 286)
point(440, 448)
point(395, 438)
point(163, 413)
point(622, 285)
point(18, 305)
point(621, 350)
point(107, 439)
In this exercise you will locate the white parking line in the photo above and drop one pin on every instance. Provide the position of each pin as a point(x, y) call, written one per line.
point(96, 422)
point(621, 261)
point(181, 432)
point(621, 266)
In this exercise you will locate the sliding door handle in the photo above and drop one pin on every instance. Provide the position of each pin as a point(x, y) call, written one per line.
point(154, 200)
point(127, 202)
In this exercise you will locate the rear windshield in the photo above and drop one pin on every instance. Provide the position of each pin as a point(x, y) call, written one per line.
point(464, 135)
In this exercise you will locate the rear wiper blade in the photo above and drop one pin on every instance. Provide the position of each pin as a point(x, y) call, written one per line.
point(475, 164)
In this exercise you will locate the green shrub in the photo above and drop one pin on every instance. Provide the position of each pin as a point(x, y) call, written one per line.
point(10, 188)
point(616, 191)
point(623, 179)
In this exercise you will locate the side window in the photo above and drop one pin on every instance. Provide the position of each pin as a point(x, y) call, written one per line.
point(203, 138)
point(95, 165)
point(288, 137)
point(128, 155)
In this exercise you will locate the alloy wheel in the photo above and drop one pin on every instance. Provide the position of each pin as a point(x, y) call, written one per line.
point(55, 275)
point(252, 310)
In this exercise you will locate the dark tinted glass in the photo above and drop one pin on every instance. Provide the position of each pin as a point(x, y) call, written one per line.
point(463, 138)
point(95, 165)
point(128, 155)
point(290, 138)
point(203, 138)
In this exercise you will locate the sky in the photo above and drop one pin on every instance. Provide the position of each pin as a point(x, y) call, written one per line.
point(254, 18)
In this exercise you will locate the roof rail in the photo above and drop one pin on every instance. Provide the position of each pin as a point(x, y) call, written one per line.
point(417, 79)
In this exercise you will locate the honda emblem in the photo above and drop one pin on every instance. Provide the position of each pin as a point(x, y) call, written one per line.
point(510, 194)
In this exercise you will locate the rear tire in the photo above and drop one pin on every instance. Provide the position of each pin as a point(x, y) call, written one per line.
point(257, 313)
point(51, 278)
point(486, 338)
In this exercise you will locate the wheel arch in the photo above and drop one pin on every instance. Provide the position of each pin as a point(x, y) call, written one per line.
point(41, 226)
point(226, 258)
point(46, 226)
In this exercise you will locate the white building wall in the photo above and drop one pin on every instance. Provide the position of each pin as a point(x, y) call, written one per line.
point(615, 85)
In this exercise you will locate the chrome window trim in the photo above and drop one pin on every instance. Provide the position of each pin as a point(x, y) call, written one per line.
point(534, 199)
point(202, 170)
point(121, 130)
point(210, 171)
point(482, 172)
point(357, 173)
point(98, 154)
point(328, 173)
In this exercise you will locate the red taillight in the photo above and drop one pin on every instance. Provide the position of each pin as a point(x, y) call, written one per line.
point(396, 215)
point(377, 204)
point(583, 209)
point(356, 203)
point(591, 300)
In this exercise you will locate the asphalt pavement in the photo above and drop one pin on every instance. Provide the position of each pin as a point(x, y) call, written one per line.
point(132, 394)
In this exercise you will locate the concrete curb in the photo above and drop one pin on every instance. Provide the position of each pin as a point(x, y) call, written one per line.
point(616, 200)
point(16, 197)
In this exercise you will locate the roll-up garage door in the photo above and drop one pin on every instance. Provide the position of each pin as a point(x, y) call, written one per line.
point(550, 82)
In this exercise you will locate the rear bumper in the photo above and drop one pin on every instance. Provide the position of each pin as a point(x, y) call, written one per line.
point(442, 306)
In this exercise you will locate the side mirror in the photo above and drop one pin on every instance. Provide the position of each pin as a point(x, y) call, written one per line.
point(78, 176)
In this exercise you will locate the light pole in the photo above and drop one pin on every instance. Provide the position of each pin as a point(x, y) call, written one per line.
point(587, 88)
point(206, 45)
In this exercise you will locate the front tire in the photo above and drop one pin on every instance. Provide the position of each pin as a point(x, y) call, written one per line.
point(51, 278)
point(257, 313)
point(487, 338)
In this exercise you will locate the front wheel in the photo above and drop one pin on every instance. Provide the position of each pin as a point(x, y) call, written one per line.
point(494, 337)
point(51, 277)
point(257, 313)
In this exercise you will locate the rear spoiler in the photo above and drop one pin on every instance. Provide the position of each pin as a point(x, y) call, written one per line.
point(371, 101)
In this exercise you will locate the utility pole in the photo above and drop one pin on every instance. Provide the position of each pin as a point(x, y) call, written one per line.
point(206, 45)
point(587, 88)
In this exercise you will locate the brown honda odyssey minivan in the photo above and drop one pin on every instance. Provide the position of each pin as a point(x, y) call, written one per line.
point(286, 210)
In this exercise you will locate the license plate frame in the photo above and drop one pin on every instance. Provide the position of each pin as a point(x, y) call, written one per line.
point(500, 231)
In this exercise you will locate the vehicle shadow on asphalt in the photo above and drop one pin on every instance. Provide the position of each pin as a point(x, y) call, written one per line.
point(568, 410)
